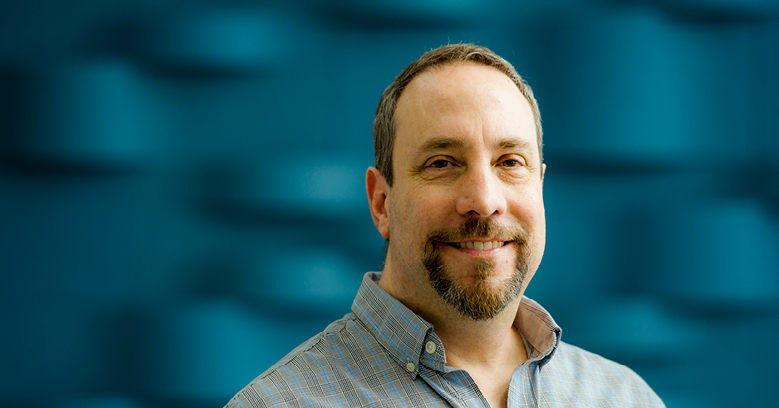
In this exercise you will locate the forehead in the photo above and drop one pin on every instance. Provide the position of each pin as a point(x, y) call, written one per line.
point(461, 99)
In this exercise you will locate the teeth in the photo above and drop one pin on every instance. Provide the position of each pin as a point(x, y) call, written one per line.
point(480, 245)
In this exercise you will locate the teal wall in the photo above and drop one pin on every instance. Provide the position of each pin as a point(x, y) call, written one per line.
point(181, 185)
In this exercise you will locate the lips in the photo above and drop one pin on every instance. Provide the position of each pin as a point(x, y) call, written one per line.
point(483, 245)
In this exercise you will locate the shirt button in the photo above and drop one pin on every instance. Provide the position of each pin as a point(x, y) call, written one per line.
point(430, 347)
point(410, 367)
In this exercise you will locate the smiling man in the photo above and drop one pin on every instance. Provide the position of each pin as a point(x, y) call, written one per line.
point(457, 194)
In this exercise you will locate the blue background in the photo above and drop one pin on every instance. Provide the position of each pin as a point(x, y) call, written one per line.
point(182, 203)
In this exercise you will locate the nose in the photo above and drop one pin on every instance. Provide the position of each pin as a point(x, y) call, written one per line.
point(481, 193)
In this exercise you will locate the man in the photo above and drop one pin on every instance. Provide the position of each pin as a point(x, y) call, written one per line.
point(457, 194)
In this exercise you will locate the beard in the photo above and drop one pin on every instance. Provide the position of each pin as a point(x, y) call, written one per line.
point(478, 301)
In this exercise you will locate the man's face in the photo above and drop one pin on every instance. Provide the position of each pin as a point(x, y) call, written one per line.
point(466, 213)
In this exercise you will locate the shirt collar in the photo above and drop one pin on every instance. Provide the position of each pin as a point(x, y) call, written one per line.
point(405, 335)
point(539, 331)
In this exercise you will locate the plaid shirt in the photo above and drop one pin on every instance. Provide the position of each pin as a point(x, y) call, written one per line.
point(384, 355)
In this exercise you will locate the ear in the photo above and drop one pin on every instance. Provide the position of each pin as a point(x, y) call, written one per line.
point(378, 193)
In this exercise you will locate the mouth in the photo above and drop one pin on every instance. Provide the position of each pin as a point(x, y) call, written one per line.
point(478, 245)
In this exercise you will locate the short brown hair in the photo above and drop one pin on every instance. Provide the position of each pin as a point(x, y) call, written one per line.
point(384, 122)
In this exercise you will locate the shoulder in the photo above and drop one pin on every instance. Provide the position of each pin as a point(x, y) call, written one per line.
point(588, 377)
point(308, 373)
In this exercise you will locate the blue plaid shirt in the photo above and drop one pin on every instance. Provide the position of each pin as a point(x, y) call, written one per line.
point(384, 355)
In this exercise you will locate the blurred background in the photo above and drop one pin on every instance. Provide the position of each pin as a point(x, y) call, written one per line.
point(182, 203)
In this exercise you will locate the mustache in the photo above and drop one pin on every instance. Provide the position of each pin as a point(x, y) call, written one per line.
point(476, 228)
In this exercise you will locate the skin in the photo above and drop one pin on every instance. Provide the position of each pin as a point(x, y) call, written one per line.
point(465, 147)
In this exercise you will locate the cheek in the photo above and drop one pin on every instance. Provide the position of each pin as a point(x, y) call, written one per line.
point(528, 205)
point(531, 210)
point(417, 212)
point(434, 209)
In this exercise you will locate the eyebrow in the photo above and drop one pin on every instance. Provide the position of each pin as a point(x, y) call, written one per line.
point(452, 143)
point(440, 144)
point(513, 144)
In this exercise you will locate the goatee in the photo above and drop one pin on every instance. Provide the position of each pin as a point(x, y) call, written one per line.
point(478, 301)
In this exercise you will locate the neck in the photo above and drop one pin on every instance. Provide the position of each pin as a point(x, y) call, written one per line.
point(499, 343)
point(491, 359)
point(499, 346)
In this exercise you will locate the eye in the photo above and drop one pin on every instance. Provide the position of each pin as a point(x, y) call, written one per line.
point(440, 163)
point(512, 162)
